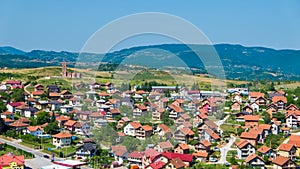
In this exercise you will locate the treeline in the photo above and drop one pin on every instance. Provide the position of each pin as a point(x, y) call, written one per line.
point(147, 86)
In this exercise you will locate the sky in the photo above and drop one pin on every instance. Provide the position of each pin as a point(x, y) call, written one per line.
point(67, 25)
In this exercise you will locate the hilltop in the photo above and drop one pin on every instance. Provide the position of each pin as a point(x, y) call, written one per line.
point(239, 62)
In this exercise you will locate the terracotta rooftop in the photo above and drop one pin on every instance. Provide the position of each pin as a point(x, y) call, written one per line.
point(33, 128)
point(184, 146)
point(200, 154)
point(251, 157)
point(7, 159)
point(177, 163)
point(18, 124)
point(279, 98)
point(264, 149)
point(264, 126)
point(205, 143)
point(164, 128)
point(62, 135)
point(135, 125)
point(251, 118)
point(256, 94)
point(247, 135)
point(7, 113)
point(114, 111)
point(183, 157)
point(54, 94)
point(165, 145)
point(69, 123)
point(285, 147)
point(147, 127)
point(187, 131)
point(280, 160)
point(295, 139)
point(242, 143)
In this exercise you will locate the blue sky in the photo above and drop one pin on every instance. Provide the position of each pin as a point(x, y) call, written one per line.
point(66, 25)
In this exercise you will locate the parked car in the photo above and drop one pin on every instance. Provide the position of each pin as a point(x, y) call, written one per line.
point(46, 156)
point(216, 149)
point(213, 159)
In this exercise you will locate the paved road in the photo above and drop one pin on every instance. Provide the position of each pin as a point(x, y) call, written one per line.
point(224, 150)
point(220, 122)
point(34, 163)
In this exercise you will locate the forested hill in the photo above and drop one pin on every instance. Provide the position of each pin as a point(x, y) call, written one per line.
point(239, 62)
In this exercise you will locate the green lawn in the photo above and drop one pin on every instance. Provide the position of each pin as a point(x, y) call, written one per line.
point(7, 148)
point(227, 127)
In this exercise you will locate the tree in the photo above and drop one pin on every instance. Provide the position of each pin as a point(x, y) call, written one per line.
point(240, 130)
point(2, 106)
point(53, 117)
point(168, 93)
point(130, 143)
point(18, 95)
point(3, 127)
point(166, 120)
point(280, 116)
point(42, 118)
point(52, 128)
point(126, 110)
point(267, 118)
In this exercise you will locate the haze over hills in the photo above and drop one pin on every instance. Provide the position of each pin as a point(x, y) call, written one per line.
point(239, 62)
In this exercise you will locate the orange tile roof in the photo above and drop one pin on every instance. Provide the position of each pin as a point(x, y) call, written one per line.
point(141, 106)
point(165, 145)
point(7, 113)
point(33, 128)
point(140, 92)
point(242, 143)
point(251, 118)
point(187, 131)
point(62, 118)
point(205, 143)
point(285, 128)
point(18, 124)
point(279, 98)
point(295, 139)
point(115, 111)
point(184, 146)
point(256, 94)
point(135, 125)
point(285, 147)
point(103, 94)
point(7, 120)
point(180, 101)
point(54, 94)
point(264, 126)
point(200, 154)
point(177, 163)
point(31, 99)
point(185, 116)
point(62, 135)
point(251, 157)
point(256, 130)
point(291, 105)
point(164, 128)
point(280, 160)
point(69, 123)
point(247, 135)
point(7, 159)
point(147, 128)
point(37, 93)
point(264, 149)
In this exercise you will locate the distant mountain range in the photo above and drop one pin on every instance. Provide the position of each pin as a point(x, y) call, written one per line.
point(239, 62)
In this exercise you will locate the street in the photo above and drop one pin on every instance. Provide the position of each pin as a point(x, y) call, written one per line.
point(224, 150)
point(34, 163)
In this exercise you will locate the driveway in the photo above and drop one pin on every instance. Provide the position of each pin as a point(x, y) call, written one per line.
point(224, 150)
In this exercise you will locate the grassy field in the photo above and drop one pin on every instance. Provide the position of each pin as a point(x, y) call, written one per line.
point(132, 76)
